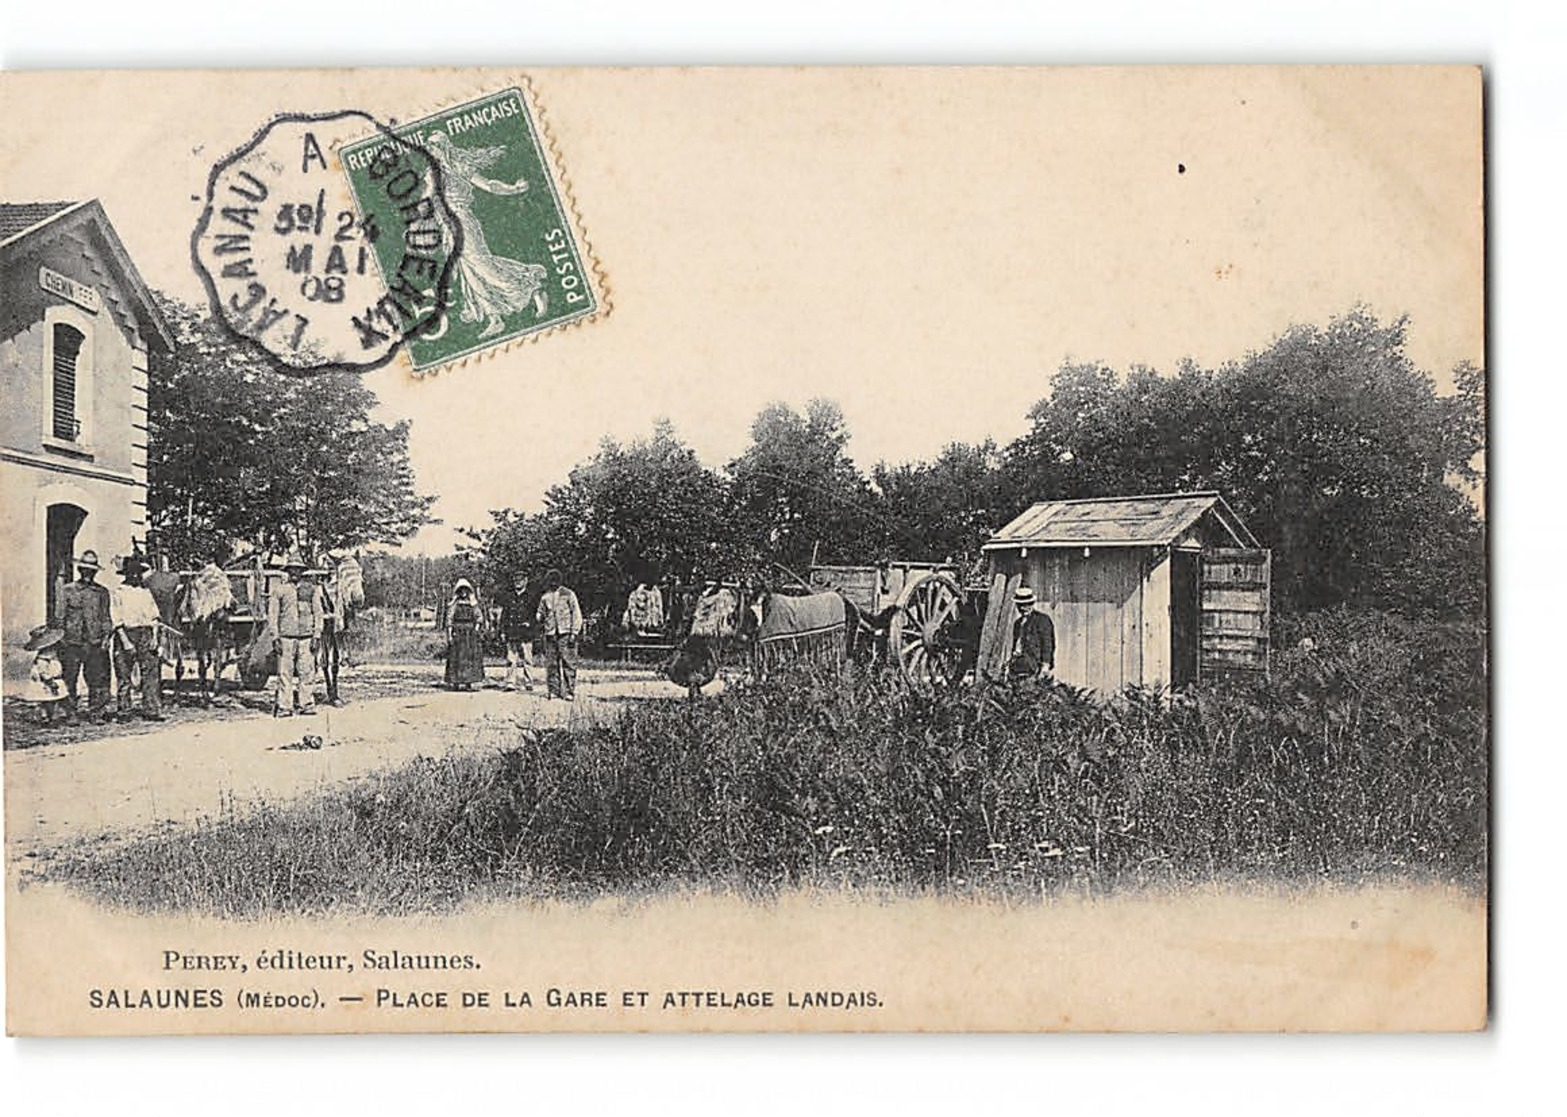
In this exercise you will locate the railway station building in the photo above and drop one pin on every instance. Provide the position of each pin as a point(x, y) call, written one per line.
point(77, 328)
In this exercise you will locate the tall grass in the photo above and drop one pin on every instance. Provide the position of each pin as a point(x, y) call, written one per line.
point(1365, 754)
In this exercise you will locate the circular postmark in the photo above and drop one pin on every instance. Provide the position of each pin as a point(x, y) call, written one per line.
point(298, 264)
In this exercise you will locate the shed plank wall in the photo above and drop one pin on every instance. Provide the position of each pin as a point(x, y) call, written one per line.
point(1132, 623)
point(1097, 604)
point(1156, 625)
point(1235, 604)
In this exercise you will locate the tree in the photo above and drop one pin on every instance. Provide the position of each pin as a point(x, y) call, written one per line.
point(795, 487)
point(1330, 443)
point(396, 581)
point(1342, 455)
point(946, 508)
point(629, 513)
point(240, 452)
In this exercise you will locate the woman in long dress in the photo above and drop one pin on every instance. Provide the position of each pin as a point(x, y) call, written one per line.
point(491, 287)
point(464, 656)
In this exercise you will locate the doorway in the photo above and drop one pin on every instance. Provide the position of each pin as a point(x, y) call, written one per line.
point(1185, 616)
point(64, 521)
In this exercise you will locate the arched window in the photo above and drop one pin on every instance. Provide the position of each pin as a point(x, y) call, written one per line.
point(65, 422)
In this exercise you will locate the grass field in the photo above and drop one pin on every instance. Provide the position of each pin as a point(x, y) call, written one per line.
point(1364, 756)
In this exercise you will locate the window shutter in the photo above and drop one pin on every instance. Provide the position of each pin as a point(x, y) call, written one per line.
point(67, 347)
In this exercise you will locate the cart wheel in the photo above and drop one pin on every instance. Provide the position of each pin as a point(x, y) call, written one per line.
point(922, 636)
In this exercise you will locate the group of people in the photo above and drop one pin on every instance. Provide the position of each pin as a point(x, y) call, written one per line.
point(92, 631)
point(551, 627)
point(130, 631)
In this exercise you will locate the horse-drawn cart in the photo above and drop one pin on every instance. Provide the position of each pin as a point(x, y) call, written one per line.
point(221, 616)
point(923, 615)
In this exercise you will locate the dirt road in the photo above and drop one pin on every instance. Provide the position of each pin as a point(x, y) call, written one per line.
point(201, 763)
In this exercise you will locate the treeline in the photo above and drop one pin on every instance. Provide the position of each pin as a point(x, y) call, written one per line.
point(238, 452)
point(1332, 445)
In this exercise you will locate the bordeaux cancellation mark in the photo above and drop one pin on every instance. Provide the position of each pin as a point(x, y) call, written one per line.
point(295, 267)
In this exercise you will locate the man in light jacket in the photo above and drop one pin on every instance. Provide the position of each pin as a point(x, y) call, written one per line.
point(136, 618)
point(559, 619)
point(295, 613)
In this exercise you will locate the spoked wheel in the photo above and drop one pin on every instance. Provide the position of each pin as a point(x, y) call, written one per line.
point(922, 636)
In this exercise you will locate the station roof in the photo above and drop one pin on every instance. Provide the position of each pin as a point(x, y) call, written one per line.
point(17, 218)
point(26, 223)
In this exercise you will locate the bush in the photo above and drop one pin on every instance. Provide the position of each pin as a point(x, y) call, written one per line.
point(1366, 753)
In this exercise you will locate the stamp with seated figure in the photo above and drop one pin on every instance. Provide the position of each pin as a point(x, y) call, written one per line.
point(523, 268)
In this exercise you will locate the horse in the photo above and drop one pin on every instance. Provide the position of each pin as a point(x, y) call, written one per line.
point(823, 627)
point(203, 607)
point(343, 592)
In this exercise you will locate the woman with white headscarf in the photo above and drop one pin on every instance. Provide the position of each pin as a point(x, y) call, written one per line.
point(464, 656)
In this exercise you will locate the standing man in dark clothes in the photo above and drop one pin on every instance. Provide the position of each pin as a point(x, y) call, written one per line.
point(84, 617)
point(517, 631)
point(1033, 639)
point(329, 659)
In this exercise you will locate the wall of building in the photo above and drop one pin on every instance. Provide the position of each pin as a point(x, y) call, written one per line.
point(105, 474)
point(1157, 658)
point(23, 520)
point(1099, 605)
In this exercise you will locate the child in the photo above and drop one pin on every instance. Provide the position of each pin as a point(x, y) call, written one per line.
point(46, 686)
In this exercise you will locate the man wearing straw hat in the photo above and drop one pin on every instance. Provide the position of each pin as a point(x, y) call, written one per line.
point(1033, 639)
point(295, 615)
point(83, 615)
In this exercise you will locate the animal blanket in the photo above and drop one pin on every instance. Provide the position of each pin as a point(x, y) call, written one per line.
point(350, 583)
point(715, 614)
point(645, 609)
point(792, 618)
point(813, 628)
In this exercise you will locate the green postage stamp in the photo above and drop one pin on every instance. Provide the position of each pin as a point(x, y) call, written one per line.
point(520, 266)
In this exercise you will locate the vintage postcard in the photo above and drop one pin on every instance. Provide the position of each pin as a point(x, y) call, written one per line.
point(838, 549)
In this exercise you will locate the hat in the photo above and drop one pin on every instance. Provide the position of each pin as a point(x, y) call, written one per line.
point(1024, 595)
point(133, 562)
point(462, 584)
point(88, 561)
point(43, 637)
point(294, 561)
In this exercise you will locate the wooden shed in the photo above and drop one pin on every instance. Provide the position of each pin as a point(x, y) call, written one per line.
point(1158, 591)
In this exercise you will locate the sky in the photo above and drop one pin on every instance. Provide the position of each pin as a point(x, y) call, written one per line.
point(924, 246)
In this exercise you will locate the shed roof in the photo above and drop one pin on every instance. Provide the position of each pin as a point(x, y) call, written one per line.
point(1119, 521)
